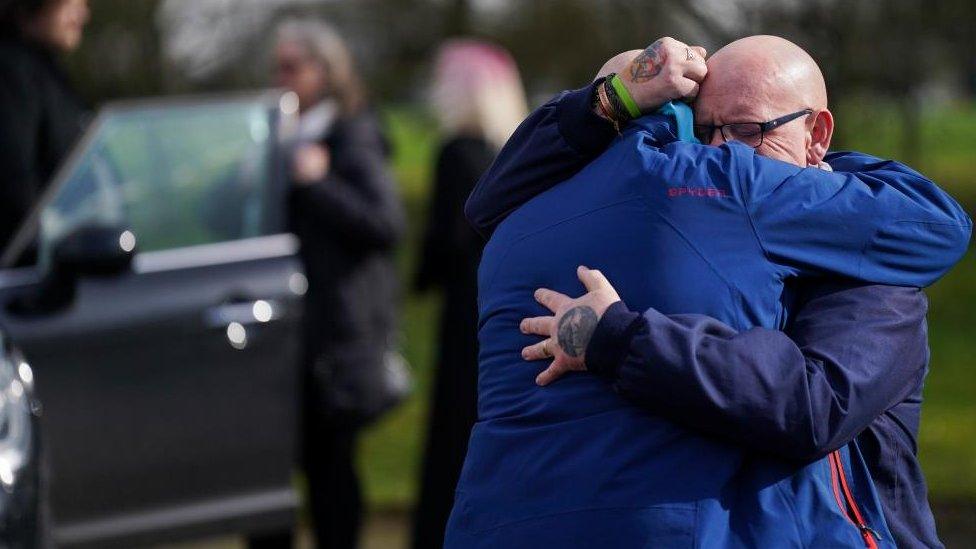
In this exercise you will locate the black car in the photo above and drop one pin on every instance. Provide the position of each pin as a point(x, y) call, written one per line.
point(22, 513)
point(158, 311)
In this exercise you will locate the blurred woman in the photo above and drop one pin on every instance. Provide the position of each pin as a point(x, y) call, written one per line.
point(478, 100)
point(40, 115)
point(346, 213)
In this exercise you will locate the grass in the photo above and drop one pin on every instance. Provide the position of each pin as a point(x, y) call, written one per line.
point(947, 439)
point(392, 449)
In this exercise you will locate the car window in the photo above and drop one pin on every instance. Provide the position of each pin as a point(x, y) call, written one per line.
point(176, 176)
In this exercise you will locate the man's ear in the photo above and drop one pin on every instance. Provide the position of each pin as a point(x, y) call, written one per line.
point(820, 134)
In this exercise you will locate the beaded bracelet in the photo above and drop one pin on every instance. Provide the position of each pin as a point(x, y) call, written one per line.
point(606, 108)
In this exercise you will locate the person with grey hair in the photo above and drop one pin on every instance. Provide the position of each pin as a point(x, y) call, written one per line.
point(345, 210)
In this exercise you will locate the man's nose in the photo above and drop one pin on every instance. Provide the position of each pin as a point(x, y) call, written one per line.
point(717, 139)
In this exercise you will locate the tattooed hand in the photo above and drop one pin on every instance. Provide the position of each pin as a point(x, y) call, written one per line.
point(648, 63)
point(568, 332)
point(665, 70)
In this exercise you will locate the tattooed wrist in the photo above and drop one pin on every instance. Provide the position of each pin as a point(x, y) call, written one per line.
point(648, 64)
point(575, 330)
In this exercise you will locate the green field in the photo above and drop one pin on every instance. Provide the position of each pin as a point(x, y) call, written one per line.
point(391, 450)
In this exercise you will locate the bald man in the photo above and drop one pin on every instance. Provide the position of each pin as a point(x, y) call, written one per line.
point(857, 354)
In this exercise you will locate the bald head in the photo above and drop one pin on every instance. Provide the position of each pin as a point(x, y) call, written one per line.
point(767, 69)
point(760, 78)
point(618, 63)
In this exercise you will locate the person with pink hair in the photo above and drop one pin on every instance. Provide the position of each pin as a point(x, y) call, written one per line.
point(478, 100)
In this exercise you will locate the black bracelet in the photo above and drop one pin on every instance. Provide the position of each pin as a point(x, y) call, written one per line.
point(620, 112)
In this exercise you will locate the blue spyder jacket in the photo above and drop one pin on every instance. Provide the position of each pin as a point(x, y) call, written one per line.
point(852, 361)
point(682, 228)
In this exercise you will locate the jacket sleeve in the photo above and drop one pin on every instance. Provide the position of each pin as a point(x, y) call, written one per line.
point(873, 220)
point(878, 221)
point(852, 352)
point(552, 144)
point(358, 201)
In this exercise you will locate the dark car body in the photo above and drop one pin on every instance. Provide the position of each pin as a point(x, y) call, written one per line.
point(22, 514)
point(160, 318)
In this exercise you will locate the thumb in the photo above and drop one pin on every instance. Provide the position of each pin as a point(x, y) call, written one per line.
point(592, 279)
point(700, 51)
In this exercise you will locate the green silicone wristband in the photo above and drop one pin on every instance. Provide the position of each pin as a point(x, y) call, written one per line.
point(624, 95)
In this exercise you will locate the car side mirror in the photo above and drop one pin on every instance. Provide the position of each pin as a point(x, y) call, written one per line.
point(91, 250)
point(94, 250)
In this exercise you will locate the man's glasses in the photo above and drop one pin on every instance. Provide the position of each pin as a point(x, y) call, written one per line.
point(747, 133)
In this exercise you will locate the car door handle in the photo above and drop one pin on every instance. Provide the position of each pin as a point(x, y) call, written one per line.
point(259, 311)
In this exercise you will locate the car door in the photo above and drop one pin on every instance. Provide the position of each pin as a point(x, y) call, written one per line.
point(169, 388)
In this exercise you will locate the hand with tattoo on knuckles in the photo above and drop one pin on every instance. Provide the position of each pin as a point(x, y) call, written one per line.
point(570, 329)
point(668, 69)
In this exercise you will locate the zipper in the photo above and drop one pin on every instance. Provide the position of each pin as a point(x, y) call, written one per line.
point(846, 502)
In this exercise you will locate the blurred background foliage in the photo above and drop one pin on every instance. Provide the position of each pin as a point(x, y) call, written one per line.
point(901, 73)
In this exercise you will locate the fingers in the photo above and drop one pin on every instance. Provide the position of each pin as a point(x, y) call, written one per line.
point(667, 69)
point(538, 351)
point(592, 279)
point(540, 325)
point(550, 299)
point(688, 89)
point(695, 69)
point(555, 371)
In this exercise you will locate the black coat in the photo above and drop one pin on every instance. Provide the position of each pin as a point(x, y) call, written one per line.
point(349, 225)
point(40, 119)
point(449, 260)
point(452, 249)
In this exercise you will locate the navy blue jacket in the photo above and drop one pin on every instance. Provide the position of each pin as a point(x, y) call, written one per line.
point(683, 228)
point(852, 360)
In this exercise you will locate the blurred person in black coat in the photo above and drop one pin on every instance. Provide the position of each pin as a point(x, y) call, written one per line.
point(40, 114)
point(345, 210)
point(478, 100)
